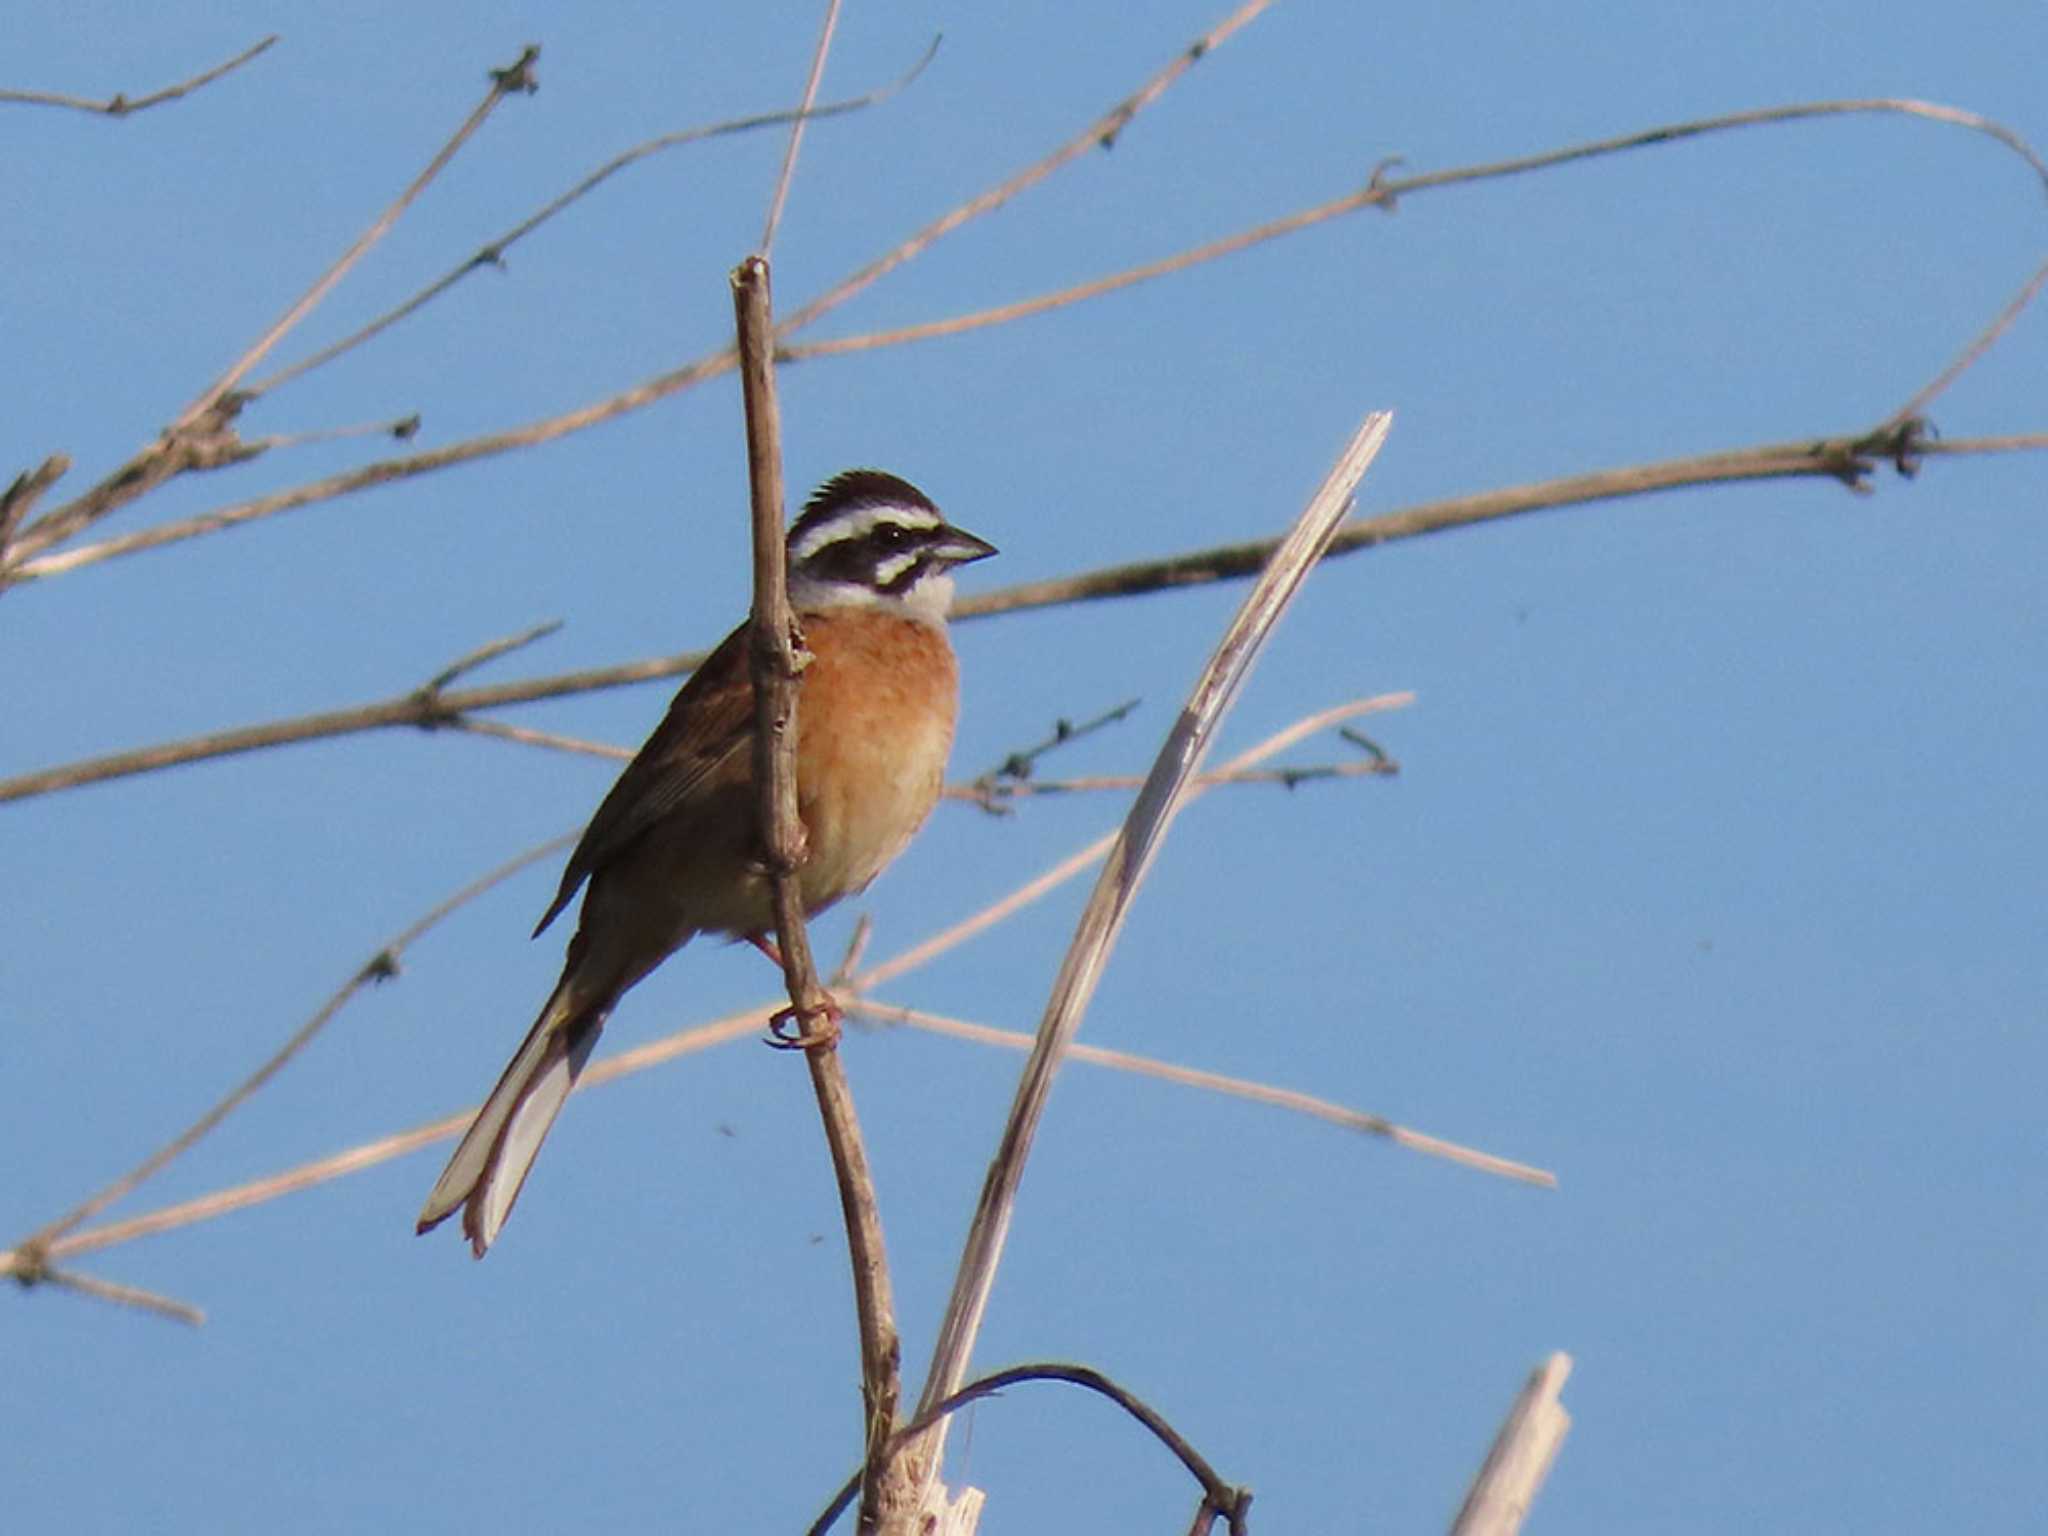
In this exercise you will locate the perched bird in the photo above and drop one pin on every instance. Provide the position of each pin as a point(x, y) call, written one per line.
point(675, 848)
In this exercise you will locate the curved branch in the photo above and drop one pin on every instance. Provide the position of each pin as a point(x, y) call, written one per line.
point(1218, 1497)
point(119, 105)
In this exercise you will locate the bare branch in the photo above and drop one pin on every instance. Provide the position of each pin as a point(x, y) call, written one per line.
point(1385, 192)
point(119, 105)
point(151, 465)
point(796, 129)
point(1099, 134)
point(552, 741)
point(492, 253)
point(380, 967)
point(34, 1254)
point(1849, 460)
point(1218, 1496)
point(120, 1295)
point(776, 667)
point(24, 1257)
point(1165, 792)
point(21, 497)
point(418, 708)
point(202, 436)
point(515, 78)
point(1216, 1082)
point(488, 652)
point(1968, 358)
point(215, 447)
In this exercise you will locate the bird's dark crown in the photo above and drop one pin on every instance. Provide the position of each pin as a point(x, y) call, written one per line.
point(869, 537)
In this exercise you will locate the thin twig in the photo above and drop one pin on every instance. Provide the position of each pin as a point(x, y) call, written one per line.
point(1215, 1082)
point(137, 476)
point(1019, 764)
point(1848, 460)
point(415, 708)
point(21, 497)
point(553, 741)
point(1968, 358)
point(492, 253)
point(379, 967)
point(403, 428)
point(1099, 134)
point(996, 795)
point(516, 78)
point(28, 1257)
point(119, 105)
point(1385, 192)
point(774, 652)
point(796, 129)
point(1165, 792)
point(489, 652)
point(203, 433)
point(120, 1295)
point(383, 472)
point(223, 1202)
point(1223, 1498)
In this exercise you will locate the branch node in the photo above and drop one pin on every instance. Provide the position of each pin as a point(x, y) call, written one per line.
point(1903, 442)
point(519, 75)
point(31, 1262)
point(1376, 184)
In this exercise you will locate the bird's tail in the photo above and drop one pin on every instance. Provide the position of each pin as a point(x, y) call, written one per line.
point(484, 1176)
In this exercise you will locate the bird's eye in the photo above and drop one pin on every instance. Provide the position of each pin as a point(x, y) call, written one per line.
point(891, 535)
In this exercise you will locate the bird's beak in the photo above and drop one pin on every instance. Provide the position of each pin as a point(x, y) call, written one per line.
point(956, 546)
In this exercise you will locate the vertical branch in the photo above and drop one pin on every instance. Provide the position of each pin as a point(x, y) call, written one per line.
point(776, 663)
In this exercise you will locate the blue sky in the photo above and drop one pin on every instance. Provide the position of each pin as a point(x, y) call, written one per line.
point(1713, 879)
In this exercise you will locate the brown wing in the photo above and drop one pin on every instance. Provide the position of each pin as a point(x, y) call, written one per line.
point(710, 719)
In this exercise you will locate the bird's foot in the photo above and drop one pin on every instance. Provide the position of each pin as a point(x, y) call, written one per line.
point(792, 1029)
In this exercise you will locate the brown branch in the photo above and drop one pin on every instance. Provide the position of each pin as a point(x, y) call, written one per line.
point(21, 497)
point(24, 1257)
point(1968, 358)
point(1849, 460)
point(552, 741)
point(1101, 133)
point(1216, 1082)
point(1218, 1497)
point(32, 1256)
point(110, 1290)
point(153, 467)
point(492, 253)
point(119, 105)
point(382, 472)
point(420, 708)
point(776, 664)
point(1385, 192)
point(1380, 191)
point(379, 967)
point(202, 436)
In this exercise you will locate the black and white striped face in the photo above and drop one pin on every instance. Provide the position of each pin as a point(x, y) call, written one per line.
point(870, 538)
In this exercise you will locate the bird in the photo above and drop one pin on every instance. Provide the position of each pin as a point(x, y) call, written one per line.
point(675, 850)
